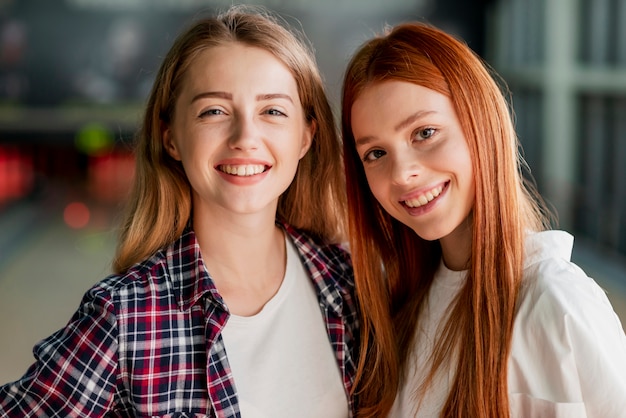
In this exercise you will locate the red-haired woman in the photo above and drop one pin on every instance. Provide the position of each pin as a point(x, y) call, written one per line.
point(471, 306)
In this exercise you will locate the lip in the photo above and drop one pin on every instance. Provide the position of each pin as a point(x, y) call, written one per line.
point(416, 194)
point(243, 171)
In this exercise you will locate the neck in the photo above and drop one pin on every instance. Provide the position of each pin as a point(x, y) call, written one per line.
point(456, 248)
point(245, 256)
point(241, 243)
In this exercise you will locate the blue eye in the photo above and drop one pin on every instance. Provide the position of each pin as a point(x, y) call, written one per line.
point(424, 133)
point(373, 155)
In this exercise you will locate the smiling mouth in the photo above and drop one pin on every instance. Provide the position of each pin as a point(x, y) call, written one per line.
point(242, 170)
point(424, 198)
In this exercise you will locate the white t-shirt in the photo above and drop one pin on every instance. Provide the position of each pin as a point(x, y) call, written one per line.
point(281, 359)
point(568, 356)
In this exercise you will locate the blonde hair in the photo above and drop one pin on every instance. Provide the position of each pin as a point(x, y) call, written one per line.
point(160, 206)
point(394, 267)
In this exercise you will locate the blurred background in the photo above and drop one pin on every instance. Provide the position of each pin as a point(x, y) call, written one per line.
point(74, 76)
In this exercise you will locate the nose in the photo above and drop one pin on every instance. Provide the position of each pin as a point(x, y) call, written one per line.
point(245, 135)
point(405, 168)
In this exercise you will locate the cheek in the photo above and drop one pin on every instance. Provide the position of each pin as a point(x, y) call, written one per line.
point(187, 157)
point(466, 174)
point(472, 192)
point(456, 157)
point(195, 159)
point(376, 180)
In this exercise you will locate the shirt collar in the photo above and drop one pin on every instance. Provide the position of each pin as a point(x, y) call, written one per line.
point(188, 272)
point(192, 281)
point(320, 267)
point(548, 244)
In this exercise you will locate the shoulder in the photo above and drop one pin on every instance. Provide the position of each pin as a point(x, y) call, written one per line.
point(166, 273)
point(553, 282)
point(173, 255)
point(140, 276)
point(566, 336)
point(562, 309)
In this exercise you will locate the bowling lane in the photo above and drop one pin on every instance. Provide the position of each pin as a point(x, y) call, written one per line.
point(44, 271)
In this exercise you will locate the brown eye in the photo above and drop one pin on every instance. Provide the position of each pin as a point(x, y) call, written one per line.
point(275, 112)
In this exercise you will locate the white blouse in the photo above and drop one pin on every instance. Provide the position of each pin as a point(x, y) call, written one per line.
point(568, 356)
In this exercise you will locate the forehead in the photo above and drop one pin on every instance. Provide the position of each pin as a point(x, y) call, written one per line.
point(394, 91)
point(384, 104)
point(235, 64)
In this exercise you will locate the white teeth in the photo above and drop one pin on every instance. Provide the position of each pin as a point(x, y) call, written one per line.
point(424, 198)
point(242, 170)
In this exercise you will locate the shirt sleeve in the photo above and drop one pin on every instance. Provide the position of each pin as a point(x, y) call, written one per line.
point(570, 350)
point(599, 348)
point(75, 369)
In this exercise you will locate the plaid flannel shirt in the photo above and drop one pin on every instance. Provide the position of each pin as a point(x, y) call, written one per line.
point(148, 343)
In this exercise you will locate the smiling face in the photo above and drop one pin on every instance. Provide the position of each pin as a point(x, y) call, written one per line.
point(239, 130)
point(416, 160)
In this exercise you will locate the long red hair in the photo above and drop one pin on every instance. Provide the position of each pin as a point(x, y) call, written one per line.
point(394, 267)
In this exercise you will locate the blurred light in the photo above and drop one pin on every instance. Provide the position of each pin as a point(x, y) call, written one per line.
point(94, 139)
point(76, 215)
point(16, 175)
point(110, 176)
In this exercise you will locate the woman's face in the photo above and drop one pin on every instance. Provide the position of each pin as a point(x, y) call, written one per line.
point(416, 158)
point(239, 129)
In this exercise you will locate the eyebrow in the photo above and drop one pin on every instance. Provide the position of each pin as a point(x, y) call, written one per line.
point(400, 126)
point(271, 96)
point(210, 94)
point(228, 96)
point(412, 118)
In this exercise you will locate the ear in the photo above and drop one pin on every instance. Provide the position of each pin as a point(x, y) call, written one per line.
point(169, 144)
point(307, 137)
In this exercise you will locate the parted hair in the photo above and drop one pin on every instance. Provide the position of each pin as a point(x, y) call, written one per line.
point(394, 267)
point(159, 206)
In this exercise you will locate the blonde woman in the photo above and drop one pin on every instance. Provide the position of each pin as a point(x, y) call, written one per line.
point(231, 296)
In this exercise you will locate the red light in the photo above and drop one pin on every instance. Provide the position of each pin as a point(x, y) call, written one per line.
point(76, 215)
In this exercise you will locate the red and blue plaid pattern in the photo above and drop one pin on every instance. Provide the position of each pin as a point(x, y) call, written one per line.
point(148, 343)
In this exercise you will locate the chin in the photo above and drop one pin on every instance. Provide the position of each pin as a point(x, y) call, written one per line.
point(429, 238)
point(428, 235)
